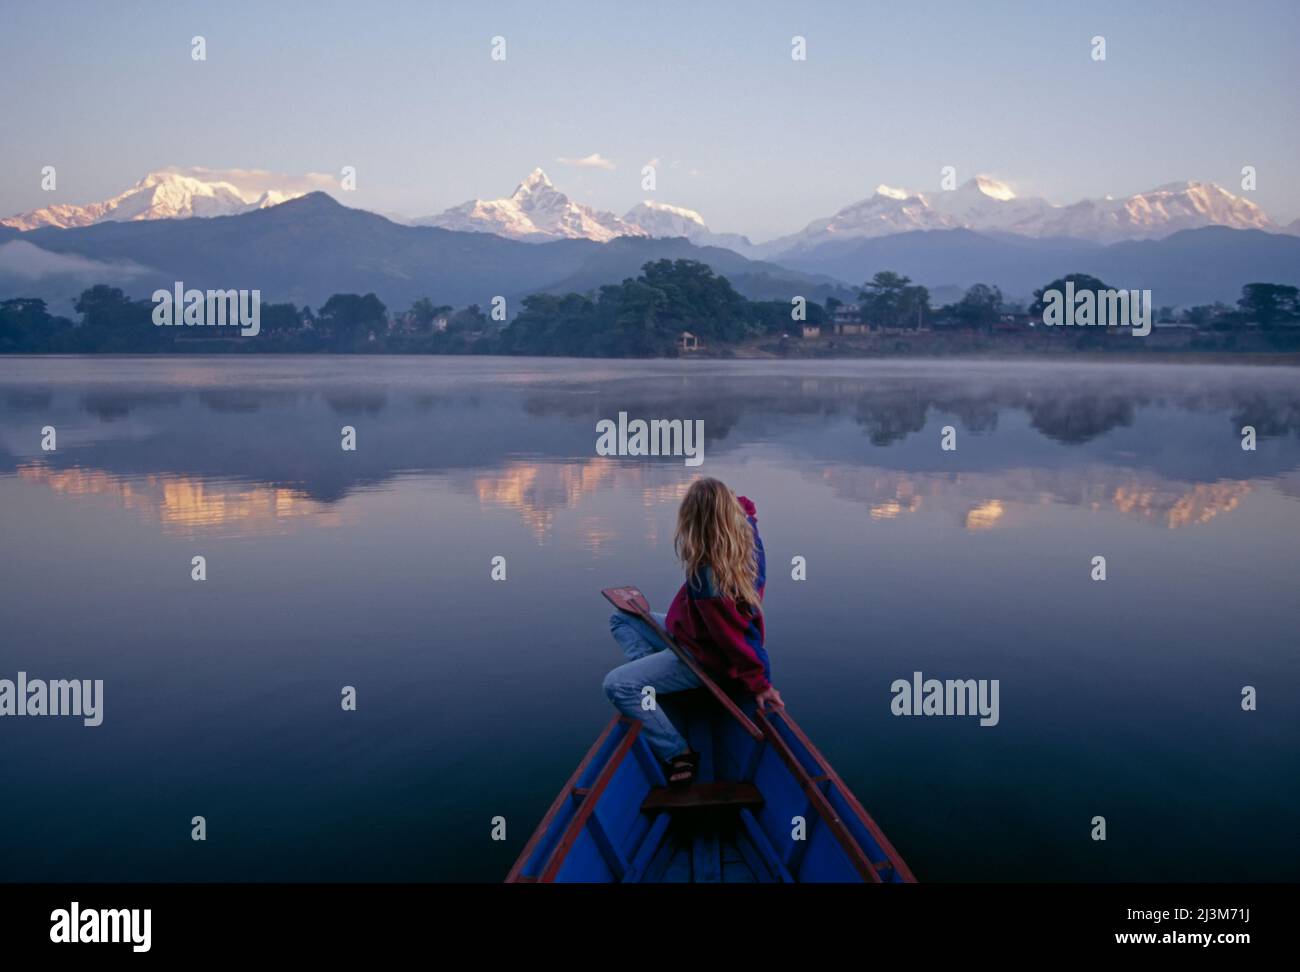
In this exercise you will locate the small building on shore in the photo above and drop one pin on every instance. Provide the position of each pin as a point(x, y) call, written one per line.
point(688, 342)
point(1172, 334)
point(847, 319)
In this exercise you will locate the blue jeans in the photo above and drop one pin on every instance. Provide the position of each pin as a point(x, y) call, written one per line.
point(650, 663)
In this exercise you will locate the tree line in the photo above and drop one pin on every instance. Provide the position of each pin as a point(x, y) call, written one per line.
point(891, 300)
point(640, 317)
point(112, 322)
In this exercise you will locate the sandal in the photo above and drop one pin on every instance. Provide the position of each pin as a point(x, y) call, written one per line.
point(681, 769)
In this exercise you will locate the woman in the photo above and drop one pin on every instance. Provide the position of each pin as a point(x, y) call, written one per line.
point(717, 615)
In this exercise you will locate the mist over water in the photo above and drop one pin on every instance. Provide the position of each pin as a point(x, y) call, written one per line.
point(476, 699)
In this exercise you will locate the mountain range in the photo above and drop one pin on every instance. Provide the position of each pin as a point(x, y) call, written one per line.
point(539, 212)
point(1195, 266)
point(988, 206)
point(311, 246)
point(159, 195)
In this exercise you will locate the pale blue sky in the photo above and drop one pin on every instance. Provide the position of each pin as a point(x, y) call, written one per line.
point(758, 143)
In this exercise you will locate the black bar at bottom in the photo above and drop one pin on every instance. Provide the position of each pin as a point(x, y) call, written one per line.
point(376, 920)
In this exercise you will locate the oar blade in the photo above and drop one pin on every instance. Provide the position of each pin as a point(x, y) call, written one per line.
point(629, 599)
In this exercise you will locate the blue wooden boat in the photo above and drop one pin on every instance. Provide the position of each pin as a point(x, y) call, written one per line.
point(759, 776)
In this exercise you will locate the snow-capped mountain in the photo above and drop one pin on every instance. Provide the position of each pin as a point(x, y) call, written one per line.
point(987, 205)
point(159, 195)
point(536, 211)
point(660, 220)
point(991, 205)
point(884, 213)
point(1155, 213)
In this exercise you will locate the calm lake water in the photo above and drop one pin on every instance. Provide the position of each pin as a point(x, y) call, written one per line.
point(477, 698)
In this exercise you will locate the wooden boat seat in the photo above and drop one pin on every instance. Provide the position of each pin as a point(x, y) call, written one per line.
point(697, 796)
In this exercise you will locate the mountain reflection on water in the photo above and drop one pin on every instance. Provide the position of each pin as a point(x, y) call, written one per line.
point(252, 447)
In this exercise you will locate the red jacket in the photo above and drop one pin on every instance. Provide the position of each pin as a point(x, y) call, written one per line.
point(725, 638)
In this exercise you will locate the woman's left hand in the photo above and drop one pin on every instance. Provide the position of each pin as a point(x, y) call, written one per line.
point(770, 698)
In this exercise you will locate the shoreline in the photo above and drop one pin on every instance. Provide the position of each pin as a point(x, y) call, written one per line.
point(1263, 359)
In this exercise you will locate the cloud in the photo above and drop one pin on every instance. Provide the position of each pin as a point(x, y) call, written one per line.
point(18, 258)
point(253, 182)
point(593, 161)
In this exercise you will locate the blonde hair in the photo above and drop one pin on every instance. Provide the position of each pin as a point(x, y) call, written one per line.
point(713, 531)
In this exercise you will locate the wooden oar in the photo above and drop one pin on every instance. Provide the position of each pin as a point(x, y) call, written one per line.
point(632, 601)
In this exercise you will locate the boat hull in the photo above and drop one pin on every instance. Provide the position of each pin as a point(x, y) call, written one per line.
point(768, 810)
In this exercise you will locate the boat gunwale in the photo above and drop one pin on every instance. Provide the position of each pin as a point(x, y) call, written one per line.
point(560, 852)
point(856, 853)
point(516, 875)
point(895, 858)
